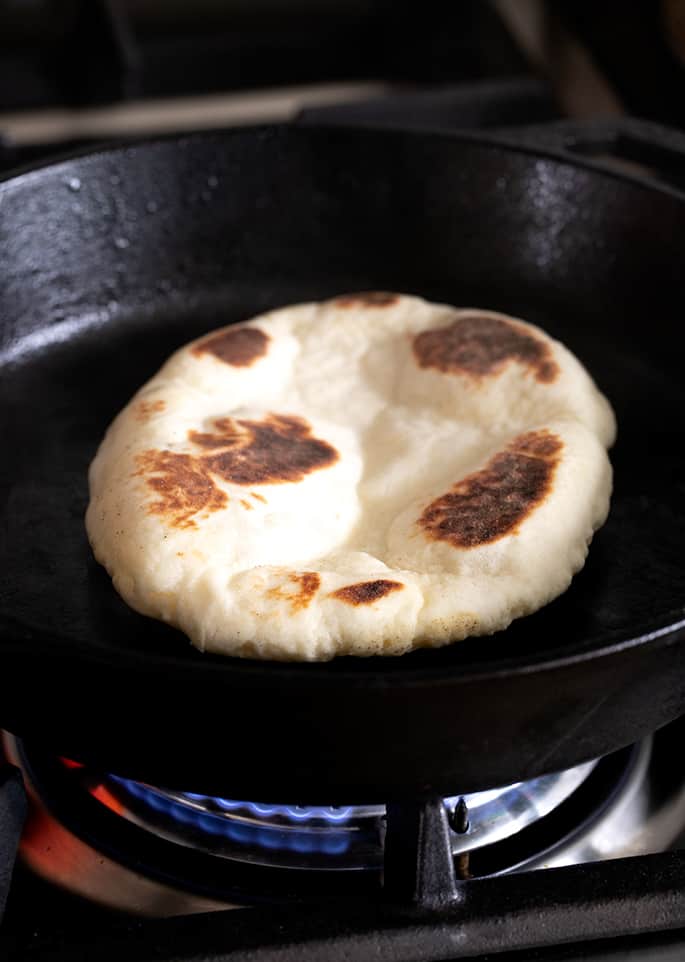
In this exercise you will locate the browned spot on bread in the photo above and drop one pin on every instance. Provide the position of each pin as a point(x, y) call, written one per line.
point(367, 299)
point(278, 449)
point(239, 346)
point(258, 497)
point(182, 485)
point(366, 592)
point(494, 501)
point(144, 410)
point(479, 345)
point(306, 585)
point(246, 504)
point(538, 444)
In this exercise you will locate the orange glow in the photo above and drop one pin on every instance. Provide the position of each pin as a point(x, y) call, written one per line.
point(35, 829)
point(70, 763)
point(105, 796)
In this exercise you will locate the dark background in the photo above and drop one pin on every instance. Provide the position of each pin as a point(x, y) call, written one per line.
point(85, 52)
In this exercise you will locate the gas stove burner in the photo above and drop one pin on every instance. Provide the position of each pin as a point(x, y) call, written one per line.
point(331, 837)
point(152, 851)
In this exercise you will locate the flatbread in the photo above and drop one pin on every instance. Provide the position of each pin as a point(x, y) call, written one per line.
point(366, 476)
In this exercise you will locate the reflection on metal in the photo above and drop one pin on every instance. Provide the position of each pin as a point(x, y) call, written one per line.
point(628, 825)
point(499, 814)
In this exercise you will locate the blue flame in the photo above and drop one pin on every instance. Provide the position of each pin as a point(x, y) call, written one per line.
point(300, 838)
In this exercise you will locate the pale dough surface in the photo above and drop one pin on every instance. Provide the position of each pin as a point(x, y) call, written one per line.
point(365, 475)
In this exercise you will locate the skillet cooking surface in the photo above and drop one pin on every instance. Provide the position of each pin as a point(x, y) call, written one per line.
point(113, 260)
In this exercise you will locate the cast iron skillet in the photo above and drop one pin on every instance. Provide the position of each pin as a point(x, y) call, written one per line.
point(110, 261)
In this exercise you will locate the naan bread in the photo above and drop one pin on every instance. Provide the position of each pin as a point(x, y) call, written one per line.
point(363, 476)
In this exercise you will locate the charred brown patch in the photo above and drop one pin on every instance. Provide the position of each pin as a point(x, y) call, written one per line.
point(278, 449)
point(366, 592)
point(493, 502)
point(238, 346)
point(182, 485)
point(246, 504)
point(367, 299)
point(479, 345)
point(258, 497)
point(306, 584)
point(144, 410)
